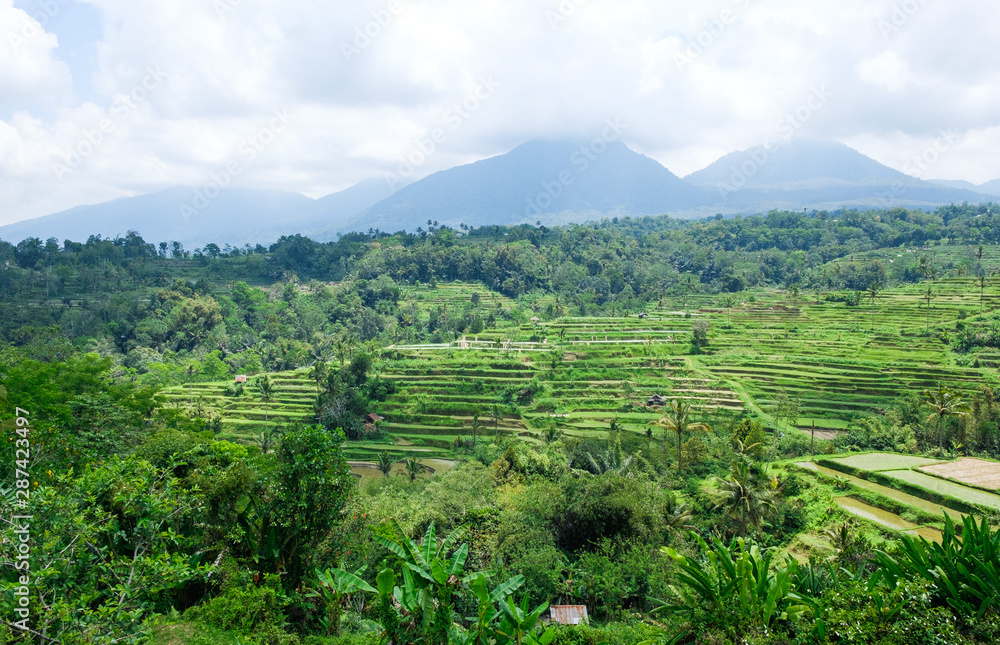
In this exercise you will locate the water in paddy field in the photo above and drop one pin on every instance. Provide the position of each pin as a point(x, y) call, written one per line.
point(891, 493)
point(887, 519)
point(368, 470)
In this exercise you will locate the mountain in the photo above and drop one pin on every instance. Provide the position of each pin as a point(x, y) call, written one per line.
point(322, 219)
point(549, 181)
point(817, 174)
point(956, 183)
point(990, 187)
point(235, 216)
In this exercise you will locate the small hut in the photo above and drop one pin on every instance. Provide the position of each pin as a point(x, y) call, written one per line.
point(569, 614)
point(656, 399)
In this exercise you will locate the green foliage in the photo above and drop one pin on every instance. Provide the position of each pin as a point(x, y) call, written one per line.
point(120, 542)
point(249, 610)
point(432, 574)
point(334, 586)
point(745, 495)
point(963, 571)
point(310, 487)
point(735, 579)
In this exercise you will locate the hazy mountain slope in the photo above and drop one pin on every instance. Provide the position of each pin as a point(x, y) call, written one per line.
point(540, 180)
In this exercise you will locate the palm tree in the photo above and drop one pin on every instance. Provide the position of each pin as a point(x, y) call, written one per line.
point(190, 373)
point(267, 438)
point(475, 426)
point(265, 389)
point(927, 297)
point(982, 289)
point(873, 293)
point(944, 403)
point(496, 411)
point(319, 373)
point(677, 420)
point(678, 516)
point(745, 496)
point(729, 302)
point(414, 468)
point(384, 463)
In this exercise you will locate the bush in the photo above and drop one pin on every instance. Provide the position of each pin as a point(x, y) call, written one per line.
point(250, 610)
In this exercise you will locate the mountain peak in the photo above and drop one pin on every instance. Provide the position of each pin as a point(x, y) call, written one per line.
point(797, 163)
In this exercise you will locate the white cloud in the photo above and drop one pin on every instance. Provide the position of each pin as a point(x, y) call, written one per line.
point(563, 67)
point(28, 71)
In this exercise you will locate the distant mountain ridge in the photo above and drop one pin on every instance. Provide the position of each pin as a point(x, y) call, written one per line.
point(540, 180)
point(552, 182)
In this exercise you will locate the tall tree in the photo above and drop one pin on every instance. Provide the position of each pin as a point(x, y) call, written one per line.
point(414, 468)
point(982, 289)
point(745, 495)
point(874, 289)
point(678, 420)
point(927, 298)
point(319, 373)
point(384, 463)
point(945, 403)
point(265, 390)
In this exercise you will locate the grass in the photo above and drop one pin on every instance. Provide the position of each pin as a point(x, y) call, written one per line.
point(879, 461)
point(594, 371)
point(951, 489)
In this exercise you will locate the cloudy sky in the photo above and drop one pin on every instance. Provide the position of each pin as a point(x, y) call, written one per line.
point(101, 99)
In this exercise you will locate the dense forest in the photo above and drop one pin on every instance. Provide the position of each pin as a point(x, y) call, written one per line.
point(148, 526)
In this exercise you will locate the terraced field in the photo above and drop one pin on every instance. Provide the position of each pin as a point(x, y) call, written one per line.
point(830, 356)
point(530, 373)
point(243, 416)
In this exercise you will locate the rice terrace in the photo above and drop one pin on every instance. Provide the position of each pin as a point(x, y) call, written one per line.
point(296, 444)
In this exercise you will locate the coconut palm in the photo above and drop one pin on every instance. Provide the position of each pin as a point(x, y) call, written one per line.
point(945, 403)
point(319, 372)
point(414, 468)
point(982, 290)
point(476, 423)
point(745, 496)
point(265, 390)
point(677, 420)
point(190, 373)
point(384, 463)
point(678, 516)
point(927, 297)
point(874, 289)
point(496, 411)
point(729, 302)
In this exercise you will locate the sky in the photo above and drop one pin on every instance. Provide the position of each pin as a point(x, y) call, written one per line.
point(102, 99)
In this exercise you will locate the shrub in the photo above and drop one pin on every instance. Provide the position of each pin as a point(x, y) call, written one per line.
point(249, 610)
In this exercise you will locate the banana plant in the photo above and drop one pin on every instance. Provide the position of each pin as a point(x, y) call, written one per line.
point(482, 625)
point(964, 569)
point(735, 577)
point(431, 577)
point(333, 587)
point(517, 625)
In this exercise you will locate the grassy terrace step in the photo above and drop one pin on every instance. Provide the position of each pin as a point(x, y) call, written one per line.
point(827, 354)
